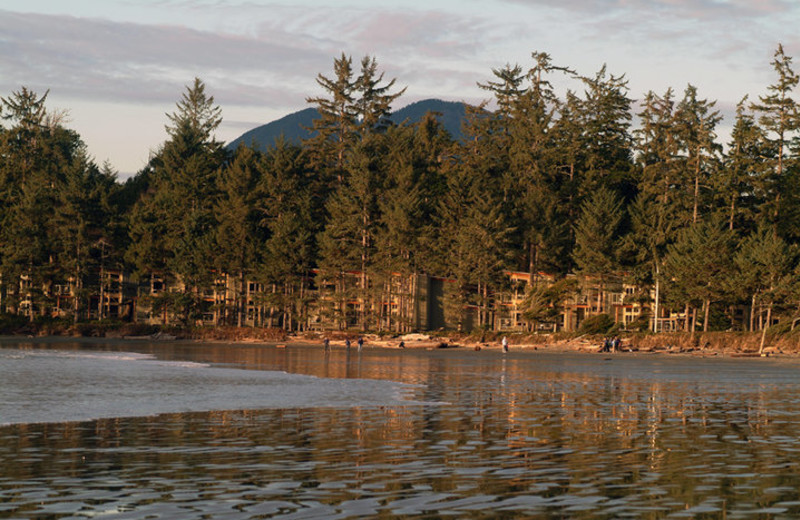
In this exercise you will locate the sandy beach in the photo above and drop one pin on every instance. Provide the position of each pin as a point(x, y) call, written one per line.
point(714, 345)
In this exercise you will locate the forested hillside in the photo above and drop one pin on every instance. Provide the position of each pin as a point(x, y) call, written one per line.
point(595, 180)
point(297, 127)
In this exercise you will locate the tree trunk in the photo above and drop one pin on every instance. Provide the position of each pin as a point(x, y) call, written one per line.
point(764, 330)
point(77, 300)
point(696, 189)
point(686, 318)
point(707, 309)
point(240, 306)
point(272, 307)
point(656, 307)
point(733, 213)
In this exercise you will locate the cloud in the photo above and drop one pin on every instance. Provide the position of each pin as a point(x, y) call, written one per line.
point(677, 8)
point(271, 62)
point(128, 62)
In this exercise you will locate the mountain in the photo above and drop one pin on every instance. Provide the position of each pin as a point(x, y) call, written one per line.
point(294, 126)
point(452, 114)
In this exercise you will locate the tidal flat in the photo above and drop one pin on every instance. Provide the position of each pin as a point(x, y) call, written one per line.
point(191, 430)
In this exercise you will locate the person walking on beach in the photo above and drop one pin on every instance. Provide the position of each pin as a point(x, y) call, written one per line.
point(326, 343)
point(360, 343)
point(347, 343)
point(505, 344)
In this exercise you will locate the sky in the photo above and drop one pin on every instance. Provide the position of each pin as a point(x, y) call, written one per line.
point(119, 66)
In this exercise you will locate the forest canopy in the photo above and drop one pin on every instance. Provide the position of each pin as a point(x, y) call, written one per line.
point(592, 180)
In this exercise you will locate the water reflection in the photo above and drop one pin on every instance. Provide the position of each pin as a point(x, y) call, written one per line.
point(525, 435)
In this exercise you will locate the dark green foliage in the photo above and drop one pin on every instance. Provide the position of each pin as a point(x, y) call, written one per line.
point(699, 264)
point(742, 186)
point(597, 234)
point(541, 182)
point(173, 228)
point(544, 302)
point(599, 324)
point(779, 119)
point(298, 127)
point(605, 116)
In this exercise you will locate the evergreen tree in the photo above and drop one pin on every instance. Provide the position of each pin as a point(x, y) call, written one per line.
point(173, 229)
point(645, 245)
point(238, 234)
point(597, 234)
point(779, 118)
point(374, 104)
point(696, 122)
point(741, 189)
point(606, 119)
point(288, 213)
point(543, 170)
point(347, 241)
point(597, 237)
point(85, 229)
point(657, 148)
point(36, 152)
point(352, 108)
point(432, 146)
point(397, 238)
point(545, 303)
point(474, 240)
point(698, 265)
point(334, 132)
point(765, 272)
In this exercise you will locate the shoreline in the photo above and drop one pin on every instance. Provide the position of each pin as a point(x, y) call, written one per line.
point(716, 344)
point(569, 346)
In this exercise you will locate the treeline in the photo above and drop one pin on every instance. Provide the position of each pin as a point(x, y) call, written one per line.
point(588, 181)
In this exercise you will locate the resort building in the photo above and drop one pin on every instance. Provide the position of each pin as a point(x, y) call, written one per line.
point(528, 302)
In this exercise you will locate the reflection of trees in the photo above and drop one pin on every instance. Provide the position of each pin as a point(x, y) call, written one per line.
point(501, 429)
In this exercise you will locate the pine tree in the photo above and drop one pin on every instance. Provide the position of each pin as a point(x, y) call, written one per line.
point(238, 234)
point(347, 241)
point(597, 238)
point(374, 104)
point(542, 169)
point(606, 119)
point(397, 236)
point(287, 210)
point(657, 147)
point(645, 245)
point(36, 151)
point(765, 271)
point(334, 132)
point(779, 118)
point(698, 265)
point(85, 229)
point(474, 242)
point(597, 234)
point(741, 186)
point(173, 229)
point(696, 122)
point(186, 170)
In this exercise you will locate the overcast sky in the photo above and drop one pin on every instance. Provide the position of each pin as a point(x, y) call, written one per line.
point(119, 66)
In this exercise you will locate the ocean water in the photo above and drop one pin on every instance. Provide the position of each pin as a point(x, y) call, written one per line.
point(52, 385)
point(141, 430)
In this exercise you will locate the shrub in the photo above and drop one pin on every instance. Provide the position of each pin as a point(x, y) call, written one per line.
point(11, 323)
point(600, 324)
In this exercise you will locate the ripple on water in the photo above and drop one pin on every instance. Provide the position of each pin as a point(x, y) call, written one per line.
point(596, 441)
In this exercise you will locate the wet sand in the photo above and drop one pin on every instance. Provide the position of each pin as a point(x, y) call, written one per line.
point(589, 346)
point(531, 434)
